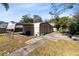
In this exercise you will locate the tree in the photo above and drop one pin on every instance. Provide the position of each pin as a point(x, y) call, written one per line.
point(37, 18)
point(6, 6)
point(73, 28)
point(26, 19)
point(58, 9)
point(74, 25)
point(56, 21)
point(64, 22)
point(76, 18)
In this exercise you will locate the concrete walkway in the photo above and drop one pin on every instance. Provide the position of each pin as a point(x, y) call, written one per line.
point(25, 50)
point(32, 41)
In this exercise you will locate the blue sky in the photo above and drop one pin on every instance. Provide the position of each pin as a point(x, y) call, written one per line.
point(17, 10)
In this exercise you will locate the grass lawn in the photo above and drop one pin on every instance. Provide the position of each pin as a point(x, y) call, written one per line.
point(57, 48)
point(9, 45)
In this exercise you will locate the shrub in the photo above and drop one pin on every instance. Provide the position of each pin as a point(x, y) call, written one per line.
point(73, 28)
point(63, 30)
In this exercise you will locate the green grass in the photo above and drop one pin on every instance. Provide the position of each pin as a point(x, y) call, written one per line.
point(17, 33)
point(2, 37)
point(9, 45)
point(57, 48)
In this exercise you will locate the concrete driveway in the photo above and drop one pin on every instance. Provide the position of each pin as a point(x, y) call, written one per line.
point(57, 36)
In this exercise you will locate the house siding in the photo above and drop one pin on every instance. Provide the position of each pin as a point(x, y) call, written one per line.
point(2, 30)
point(46, 28)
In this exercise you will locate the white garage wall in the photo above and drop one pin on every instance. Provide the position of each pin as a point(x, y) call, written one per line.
point(36, 29)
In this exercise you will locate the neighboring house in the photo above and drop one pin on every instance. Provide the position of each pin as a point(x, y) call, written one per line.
point(13, 26)
point(3, 27)
point(18, 28)
point(37, 29)
point(53, 24)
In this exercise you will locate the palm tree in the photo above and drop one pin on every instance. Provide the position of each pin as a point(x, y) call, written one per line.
point(6, 5)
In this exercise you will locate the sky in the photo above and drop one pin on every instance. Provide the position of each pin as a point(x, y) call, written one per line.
point(17, 10)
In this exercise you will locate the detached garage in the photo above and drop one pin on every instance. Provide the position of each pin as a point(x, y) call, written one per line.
point(37, 29)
